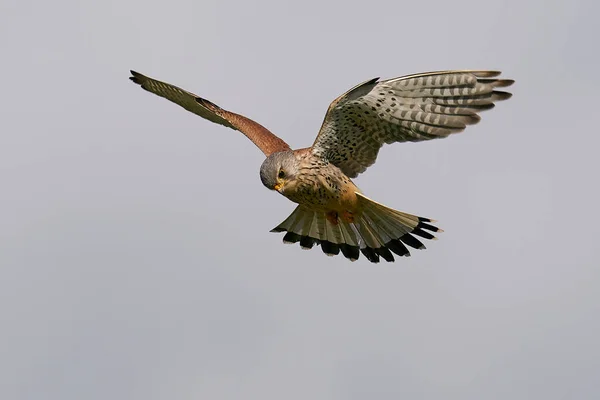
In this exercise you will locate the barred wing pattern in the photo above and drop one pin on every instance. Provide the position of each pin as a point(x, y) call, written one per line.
point(266, 141)
point(410, 108)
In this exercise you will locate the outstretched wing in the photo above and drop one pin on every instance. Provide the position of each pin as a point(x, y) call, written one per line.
point(410, 108)
point(260, 136)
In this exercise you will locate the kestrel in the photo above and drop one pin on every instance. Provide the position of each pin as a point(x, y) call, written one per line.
point(332, 212)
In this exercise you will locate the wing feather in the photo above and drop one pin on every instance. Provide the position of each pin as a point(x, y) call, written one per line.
point(264, 139)
point(411, 108)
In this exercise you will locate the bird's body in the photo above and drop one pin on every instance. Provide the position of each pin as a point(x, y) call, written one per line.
point(319, 184)
point(332, 211)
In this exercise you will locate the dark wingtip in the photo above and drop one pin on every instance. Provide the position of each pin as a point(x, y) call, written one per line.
point(504, 82)
point(486, 74)
point(136, 78)
point(207, 104)
point(500, 95)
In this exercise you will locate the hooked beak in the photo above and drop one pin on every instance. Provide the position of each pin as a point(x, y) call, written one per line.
point(278, 186)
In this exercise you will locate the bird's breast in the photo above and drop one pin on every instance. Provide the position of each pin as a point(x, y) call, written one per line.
point(322, 187)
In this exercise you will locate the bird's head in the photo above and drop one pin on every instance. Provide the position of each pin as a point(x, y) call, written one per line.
point(279, 169)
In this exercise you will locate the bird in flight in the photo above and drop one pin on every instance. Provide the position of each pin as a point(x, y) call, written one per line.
point(332, 212)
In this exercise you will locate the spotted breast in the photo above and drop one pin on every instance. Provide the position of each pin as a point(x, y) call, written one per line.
point(321, 185)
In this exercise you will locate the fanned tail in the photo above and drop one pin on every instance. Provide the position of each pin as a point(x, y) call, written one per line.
point(375, 231)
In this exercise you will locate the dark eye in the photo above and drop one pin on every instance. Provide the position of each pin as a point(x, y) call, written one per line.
point(281, 174)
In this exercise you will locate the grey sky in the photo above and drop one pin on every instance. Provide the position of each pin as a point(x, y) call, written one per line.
point(136, 261)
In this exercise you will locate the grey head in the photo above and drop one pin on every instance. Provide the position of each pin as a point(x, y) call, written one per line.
point(277, 169)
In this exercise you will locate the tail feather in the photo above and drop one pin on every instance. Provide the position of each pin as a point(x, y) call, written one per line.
point(385, 253)
point(290, 223)
point(307, 242)
point(349, 234)
point(376, 231)
point(370, 238)
point(386, 232)
point(307, 228)
point(330, 249)
point(334, 234)
point(399, 248)
point(379, 237)
point(320, 227)
point(291, 237)
point(350, 252)
point(350, 243)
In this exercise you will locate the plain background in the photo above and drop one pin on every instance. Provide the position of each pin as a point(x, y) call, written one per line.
point(135, 256)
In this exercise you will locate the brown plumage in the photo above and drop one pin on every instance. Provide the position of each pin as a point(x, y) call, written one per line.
point(258, 134)
point(332, 212)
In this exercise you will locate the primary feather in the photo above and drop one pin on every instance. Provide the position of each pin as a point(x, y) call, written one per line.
point(411, 108)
